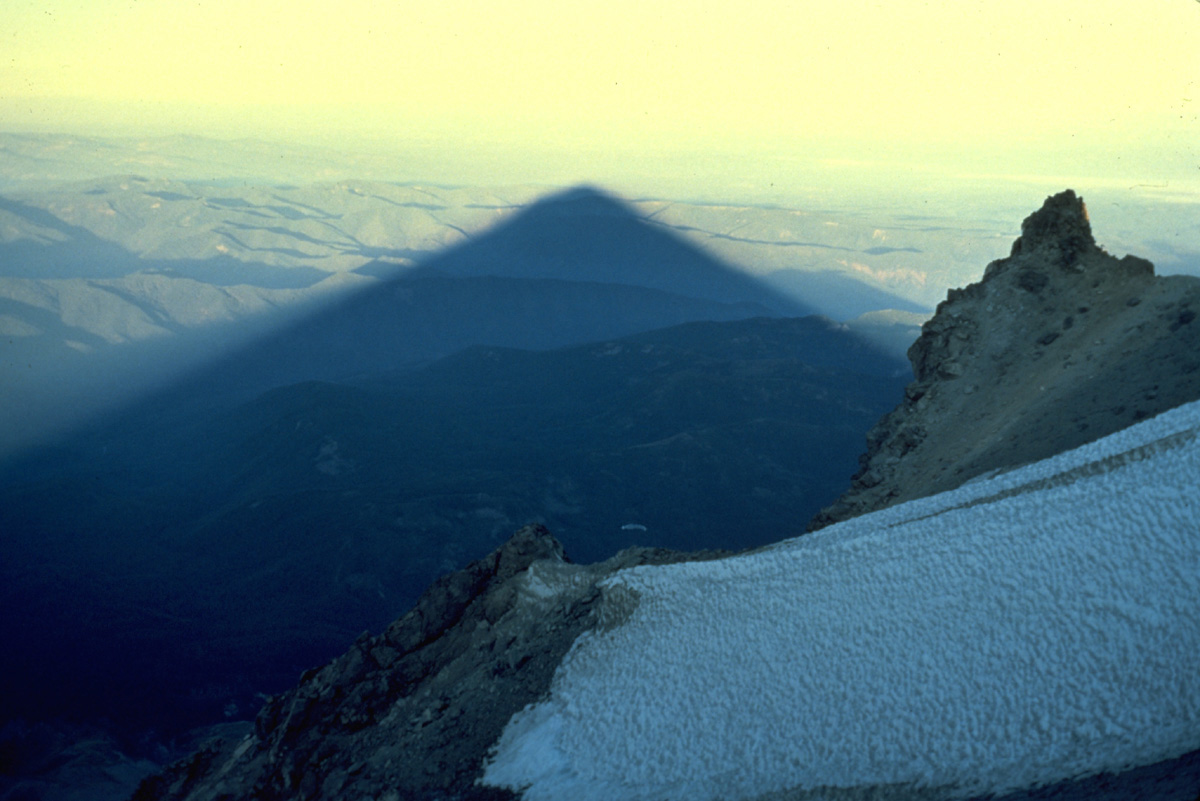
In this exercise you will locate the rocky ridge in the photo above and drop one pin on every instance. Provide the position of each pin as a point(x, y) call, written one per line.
point(410, 713)
point(1058, 345)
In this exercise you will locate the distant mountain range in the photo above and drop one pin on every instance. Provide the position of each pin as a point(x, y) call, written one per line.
point(112, 288)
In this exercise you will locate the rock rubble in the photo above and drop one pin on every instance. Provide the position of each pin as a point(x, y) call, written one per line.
point(412, 712)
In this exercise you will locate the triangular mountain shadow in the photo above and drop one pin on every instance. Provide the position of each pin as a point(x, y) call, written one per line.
point(585, 234)
point(572, 268)
point(514, 299)
point(159, 453)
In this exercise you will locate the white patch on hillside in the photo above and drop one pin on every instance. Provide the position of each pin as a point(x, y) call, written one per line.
point(330, 462)
point(1036, 626)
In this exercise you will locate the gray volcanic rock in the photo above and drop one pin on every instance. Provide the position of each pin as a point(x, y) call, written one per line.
point(411, 713)
point(1058, 345)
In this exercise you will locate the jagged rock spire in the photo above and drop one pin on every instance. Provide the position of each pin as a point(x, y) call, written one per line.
point(1059, 229)
point(1060, 344)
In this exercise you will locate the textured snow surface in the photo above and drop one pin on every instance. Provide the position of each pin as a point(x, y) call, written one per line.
point(1036, 626)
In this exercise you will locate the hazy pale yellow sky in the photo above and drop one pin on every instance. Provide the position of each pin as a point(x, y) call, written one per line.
point(999, 84)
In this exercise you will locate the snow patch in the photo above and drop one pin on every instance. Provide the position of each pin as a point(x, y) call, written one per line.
point(1035, 626)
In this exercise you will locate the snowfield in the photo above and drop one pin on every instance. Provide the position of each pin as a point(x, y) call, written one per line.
point(1035, 626)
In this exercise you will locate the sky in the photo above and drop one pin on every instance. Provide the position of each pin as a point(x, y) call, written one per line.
point(1102, 87)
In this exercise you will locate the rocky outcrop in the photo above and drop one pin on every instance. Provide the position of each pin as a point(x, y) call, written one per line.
point(1058, 345)
point(412, 712)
